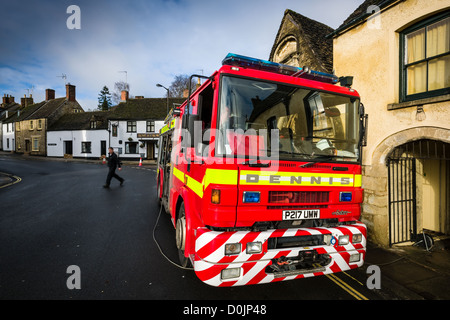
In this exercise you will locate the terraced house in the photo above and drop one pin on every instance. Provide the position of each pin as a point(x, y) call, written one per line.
point(32, 122)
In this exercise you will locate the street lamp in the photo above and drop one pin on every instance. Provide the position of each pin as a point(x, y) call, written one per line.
point(161, 86)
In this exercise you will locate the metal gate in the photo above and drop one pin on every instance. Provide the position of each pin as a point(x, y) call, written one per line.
point(402, 199)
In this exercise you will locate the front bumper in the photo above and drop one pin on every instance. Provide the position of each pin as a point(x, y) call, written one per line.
point(276, 263)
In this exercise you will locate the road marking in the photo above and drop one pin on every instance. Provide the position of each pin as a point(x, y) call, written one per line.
point(353, 278)
point(17, 180)
point(346, 287)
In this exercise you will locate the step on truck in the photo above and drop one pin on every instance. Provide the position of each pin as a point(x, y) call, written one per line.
point(260, 172)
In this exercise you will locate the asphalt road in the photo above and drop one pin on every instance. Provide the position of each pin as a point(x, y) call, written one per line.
point(59, 215)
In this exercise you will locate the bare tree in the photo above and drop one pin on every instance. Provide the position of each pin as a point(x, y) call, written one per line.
point(179, 85)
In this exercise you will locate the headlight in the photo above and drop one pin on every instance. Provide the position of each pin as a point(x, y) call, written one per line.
point(232, 248)
point(254, 247)
point(343, 240)
point(357, 238)
point(230, 273)
point(354, 257)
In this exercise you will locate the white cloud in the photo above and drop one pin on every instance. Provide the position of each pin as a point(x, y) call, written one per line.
point(152, 40)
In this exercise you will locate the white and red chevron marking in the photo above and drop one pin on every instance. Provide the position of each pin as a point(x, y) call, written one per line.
point(210, 258)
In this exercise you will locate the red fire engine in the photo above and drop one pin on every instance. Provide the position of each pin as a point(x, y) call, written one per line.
point(260, 171)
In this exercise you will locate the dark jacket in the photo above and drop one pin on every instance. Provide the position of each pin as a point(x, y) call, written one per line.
point(113, 161)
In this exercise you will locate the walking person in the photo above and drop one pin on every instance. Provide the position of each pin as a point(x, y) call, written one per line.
point(113, 163)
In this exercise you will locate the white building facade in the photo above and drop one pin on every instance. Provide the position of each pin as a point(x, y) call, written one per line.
point(8, 142)
point(78, 143)
point(135, 138)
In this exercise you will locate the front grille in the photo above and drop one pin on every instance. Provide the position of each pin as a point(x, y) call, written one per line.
point(298, 196)
point(296, 241)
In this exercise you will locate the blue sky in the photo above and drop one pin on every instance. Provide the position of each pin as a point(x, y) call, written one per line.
point(152, 40)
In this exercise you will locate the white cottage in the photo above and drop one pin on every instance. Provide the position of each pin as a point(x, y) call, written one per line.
point(80, 135)
point(8, 142)
point(135, 123)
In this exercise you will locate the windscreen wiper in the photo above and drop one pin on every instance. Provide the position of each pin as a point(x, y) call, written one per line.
point(256, 164)
point(318, 159)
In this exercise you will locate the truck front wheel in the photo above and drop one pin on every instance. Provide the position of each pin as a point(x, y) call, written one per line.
point(180, 235)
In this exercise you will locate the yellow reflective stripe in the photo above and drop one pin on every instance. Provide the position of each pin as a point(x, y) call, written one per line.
point(218, 176)
point(168, 126)
point(248, 177)
point(194, 185)
point(164, 129)
point(358, 180)
point(178, 174)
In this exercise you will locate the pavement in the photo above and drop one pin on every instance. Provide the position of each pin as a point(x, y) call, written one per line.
point(408, 272)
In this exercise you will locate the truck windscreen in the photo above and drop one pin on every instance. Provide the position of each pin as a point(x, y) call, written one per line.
point(263, 120)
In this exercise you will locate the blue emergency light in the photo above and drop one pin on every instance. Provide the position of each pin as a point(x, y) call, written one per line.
point(233, 59)
point(251, 197)
point(345, 196)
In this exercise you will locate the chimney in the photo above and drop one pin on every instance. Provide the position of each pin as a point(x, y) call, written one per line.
point(7, 99)
point(26, 101)
point(49, 94)
point(70, 92)
point(124, 95)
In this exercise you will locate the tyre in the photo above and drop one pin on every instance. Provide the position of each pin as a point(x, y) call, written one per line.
point(180, 237)
point(158, 191)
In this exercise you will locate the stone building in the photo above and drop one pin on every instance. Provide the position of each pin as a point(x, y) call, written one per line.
point(398, 52)
point(399, 55)
point(301, 41)
point(32, 122)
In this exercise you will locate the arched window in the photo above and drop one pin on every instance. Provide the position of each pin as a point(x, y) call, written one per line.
point(286, 50)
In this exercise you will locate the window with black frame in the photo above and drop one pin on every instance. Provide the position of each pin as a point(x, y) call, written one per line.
point(131, 147)
point(150, 126)
point(425, 58)
point(131, 126)
point(86, 147)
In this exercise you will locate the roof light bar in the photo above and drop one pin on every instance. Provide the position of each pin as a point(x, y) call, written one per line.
point(246, 62)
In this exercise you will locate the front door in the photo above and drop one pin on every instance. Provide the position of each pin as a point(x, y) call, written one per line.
point(27, 145)
point(103, 148)
point(434, 195)
point(68, 147)
point(150, 150)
